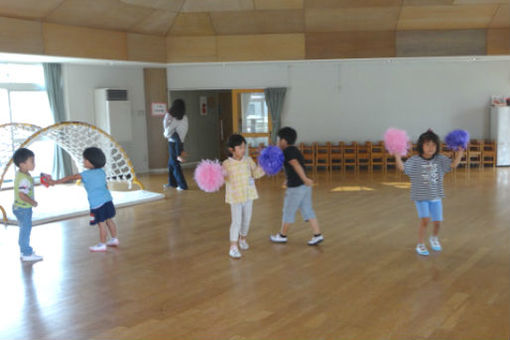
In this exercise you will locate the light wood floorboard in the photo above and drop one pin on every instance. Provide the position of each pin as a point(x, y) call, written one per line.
point(172, 278)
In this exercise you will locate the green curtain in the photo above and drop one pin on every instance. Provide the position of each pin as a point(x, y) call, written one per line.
point(274, 100)
point(55, 89)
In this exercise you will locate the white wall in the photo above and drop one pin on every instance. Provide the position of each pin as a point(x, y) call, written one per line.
point(80, 81)
point(360, 99)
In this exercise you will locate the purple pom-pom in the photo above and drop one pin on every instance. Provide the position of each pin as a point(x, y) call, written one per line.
point(271, 160)
point(396, 141)
point(209, 175)
point(457, 139)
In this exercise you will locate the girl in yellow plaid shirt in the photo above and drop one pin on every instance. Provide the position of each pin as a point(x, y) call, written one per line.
point(241, 172)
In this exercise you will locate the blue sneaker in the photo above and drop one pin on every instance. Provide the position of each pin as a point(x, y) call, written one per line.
point(434, 243)
point(421, 249)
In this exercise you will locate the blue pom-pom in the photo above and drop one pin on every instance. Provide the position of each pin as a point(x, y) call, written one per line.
point(271, 160)
point(456, 139)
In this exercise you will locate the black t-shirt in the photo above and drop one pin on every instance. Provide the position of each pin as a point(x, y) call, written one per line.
point(290, 153)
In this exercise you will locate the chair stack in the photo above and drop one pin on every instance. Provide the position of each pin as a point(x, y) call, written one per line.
point(373, 155)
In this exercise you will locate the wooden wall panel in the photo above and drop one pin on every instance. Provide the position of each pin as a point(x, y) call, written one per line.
point(191, 49)
point(102, 14)
point(258, 22)
point(28, 9)
point(351, 19)
point(21, 36)
point(187, 24)
point(168, 5)
point(498, 41)
point(502, 17)
point(157, 23)
point(82, 42)
point(446, 17)
point(155, 84)
point(261, 47)
point(280, 4)
point(351, 3)
point(142, 47)
point(217, 5)
point(463, 2)
point(350, 45)
point(440, 43)
point(426, 2)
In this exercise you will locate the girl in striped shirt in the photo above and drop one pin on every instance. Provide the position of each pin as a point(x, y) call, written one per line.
point(241, 172)
point(426, 172)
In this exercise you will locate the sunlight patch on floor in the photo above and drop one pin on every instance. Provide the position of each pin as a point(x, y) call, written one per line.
point(351, 188)
point(398, 185)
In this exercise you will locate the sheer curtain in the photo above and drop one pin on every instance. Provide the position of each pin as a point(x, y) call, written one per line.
point(274, 100)
point(55, 89)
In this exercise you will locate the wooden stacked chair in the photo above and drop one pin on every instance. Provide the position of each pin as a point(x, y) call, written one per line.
point(474, 153)
point(350, 154)
point(253, 152)
point(363, 158)
point(489, 154)
point(374, 155)
point(377, 155)
point(308, 152)
point(323, 155)
point(336, 156)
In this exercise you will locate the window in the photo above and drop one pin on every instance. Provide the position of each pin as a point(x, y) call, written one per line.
point(254, 112)
point(251, 116)
point(23, 99)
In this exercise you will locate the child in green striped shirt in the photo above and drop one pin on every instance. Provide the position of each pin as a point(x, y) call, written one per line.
point(24, 201)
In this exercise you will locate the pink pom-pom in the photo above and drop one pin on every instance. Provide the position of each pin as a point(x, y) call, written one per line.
point(209, 175)
point(396, 141)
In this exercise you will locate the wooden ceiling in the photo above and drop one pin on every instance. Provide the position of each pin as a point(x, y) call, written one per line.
point(244, 30)
point(251, 17)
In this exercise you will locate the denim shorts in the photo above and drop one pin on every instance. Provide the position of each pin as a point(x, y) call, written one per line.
point(430, 208)
point(298, 198)
point(103, 213)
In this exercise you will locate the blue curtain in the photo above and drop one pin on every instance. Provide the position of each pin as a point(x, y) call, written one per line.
point(55, 89)
point(274, 100)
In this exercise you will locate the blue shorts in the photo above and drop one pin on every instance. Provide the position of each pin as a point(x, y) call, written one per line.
point(103, 213)
point(297, 198)
point(432, 209)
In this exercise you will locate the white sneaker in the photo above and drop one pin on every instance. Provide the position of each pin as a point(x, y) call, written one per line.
point(243, 244)
point(100, 247)
point(31, 258)
point(434, 243)
point(421, 249)
point(234, 253)
point(316, 240)
point(113, 242)
point(278, 238)
point(180, 189)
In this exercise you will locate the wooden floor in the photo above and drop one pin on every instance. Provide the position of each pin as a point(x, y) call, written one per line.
point(172, 278)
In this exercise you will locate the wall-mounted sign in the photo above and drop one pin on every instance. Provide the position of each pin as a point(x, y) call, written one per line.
point(158, 109)
point(203, 105)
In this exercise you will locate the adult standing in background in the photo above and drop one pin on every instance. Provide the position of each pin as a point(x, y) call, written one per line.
point(175, 125)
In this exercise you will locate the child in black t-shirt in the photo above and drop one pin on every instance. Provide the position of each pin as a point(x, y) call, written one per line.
point(299, 189)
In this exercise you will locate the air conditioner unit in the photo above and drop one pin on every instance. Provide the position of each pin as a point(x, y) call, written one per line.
point(113, 113)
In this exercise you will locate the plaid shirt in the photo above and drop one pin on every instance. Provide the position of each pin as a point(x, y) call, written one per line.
point(240, 179)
